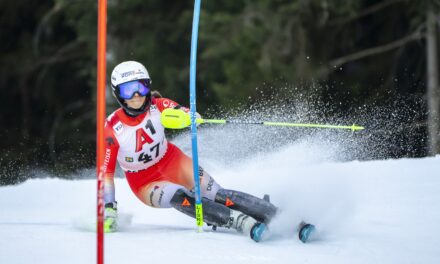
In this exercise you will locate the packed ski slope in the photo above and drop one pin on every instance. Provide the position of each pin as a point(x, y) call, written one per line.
point(366, 212)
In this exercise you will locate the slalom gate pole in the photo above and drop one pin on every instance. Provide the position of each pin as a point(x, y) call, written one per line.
point(195, 157)
point(100, 119)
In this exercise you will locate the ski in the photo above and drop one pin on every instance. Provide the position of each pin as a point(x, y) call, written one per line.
point(305, 232)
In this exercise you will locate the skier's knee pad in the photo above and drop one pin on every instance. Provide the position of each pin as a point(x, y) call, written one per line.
point(182, 197)
point(258, 208)
point(213, 213)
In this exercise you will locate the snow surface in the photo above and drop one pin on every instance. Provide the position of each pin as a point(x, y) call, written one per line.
point(385, 211)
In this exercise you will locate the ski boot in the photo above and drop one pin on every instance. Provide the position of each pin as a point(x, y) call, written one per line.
point(305, 232)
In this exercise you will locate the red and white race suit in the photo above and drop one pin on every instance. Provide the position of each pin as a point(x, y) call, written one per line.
point(154, 167)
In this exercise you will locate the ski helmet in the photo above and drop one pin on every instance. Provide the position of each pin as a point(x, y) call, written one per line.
point(132, 77)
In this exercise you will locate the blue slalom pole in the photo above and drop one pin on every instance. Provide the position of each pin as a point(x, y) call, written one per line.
point(192, 84)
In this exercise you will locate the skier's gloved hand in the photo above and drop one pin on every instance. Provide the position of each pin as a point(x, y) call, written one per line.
point(111, 217)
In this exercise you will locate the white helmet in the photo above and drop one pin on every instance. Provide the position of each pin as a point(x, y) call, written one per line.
point(129, 71)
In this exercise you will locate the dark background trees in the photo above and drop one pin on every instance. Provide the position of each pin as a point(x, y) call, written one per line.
point(369, 54)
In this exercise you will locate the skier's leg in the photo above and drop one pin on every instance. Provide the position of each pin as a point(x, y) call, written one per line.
point(219, 215)
point(208, 186)
point(213, 213)
point(166, 194)
point(258, 208)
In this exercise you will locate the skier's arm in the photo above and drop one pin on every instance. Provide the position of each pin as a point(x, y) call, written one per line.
point(164, 103)
point(109, 164)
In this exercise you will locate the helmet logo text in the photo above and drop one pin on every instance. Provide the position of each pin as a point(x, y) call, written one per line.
point(126, 74)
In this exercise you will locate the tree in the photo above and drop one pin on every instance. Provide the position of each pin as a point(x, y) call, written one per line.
point(433, 92)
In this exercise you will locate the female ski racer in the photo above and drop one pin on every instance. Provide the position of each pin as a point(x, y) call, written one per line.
point(157, 171)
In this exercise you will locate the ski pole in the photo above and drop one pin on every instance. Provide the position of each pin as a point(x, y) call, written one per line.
point(177, 119)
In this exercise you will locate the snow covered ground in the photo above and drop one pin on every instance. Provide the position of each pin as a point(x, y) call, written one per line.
point(366, 212)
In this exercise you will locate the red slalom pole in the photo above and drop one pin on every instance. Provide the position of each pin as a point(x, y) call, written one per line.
point(100, 119)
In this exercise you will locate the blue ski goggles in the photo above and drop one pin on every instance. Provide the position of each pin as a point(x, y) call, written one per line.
point(128, 89)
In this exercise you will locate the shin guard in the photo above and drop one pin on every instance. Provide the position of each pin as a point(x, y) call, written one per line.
point(260, 209)
point(213, 213)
